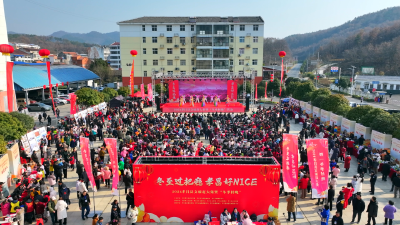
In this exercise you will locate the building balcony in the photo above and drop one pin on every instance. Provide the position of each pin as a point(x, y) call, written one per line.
point(217, 67)
point(221, 44)
point(199, 44)
point(204, 56)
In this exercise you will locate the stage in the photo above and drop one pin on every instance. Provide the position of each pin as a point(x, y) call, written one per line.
point(233, 107)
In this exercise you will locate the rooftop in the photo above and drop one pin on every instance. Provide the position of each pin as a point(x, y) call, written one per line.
point(115, 43)
point(205, 19)
point(376, 78)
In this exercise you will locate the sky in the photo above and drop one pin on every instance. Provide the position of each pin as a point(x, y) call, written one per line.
point(282, 17)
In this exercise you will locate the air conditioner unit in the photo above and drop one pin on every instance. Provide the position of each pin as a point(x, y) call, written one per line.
point(247, 46)
point(194, 68)
point(193, 57)
point(202, 32)
point(183, 43)
point(231, 66)
point(161, 57)
point(162, 35)
point(231, 46)
point(176, 46)
point(248, 34)
point(161, 46)
point(247, 64)
point(162, 68)
point(193, 45)
point(155, 71)
point(176, 35)
point(247, 57)
point(176, 57)
point(239, 55)
point(177, 68)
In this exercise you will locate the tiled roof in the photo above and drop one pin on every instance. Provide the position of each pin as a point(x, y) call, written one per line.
point(115, 43)
point(206, 19)
point(19, 52)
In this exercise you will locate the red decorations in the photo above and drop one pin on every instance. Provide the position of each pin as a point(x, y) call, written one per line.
point(148, 169)
point(6, 50)
point(133, 53)
point(62, 83)
point(67, 83)
point(264, 171)
point(44, 87)
point(138, 175)
point(44, 53)
point(272, 77)
point(57, 85)
point(275, 176)
point(282, 54)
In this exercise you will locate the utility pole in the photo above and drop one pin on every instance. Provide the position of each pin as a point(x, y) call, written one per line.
point(340, 70)
point(352, 79)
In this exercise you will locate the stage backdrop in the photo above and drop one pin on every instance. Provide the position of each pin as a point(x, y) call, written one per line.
point(184, 193)
point(203, 87)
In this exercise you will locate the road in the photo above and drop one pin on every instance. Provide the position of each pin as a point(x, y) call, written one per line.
point(295, 71)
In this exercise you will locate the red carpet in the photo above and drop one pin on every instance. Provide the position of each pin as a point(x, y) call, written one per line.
point(222, 107)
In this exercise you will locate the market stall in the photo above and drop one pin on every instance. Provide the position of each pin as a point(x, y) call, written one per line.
point(362, 130)
point(395, 149)
point(14, 159)
point(316, 112)
point(348, 125)
point(380, 140)
point(325, 116)
point(309, 110)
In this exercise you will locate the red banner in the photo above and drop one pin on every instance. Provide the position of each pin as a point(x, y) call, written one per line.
point(111, 144)
point(150, 92)
point(173, 91)
point(131, 78)
point(318, 161)
point(232, 90)
point(290, 162)
point(72, 98)
point(256, 92)
point(84, 143)
point(10, 87)
point(265, 90)
point(280, 87)
point(142, 90)
point(191, 191)
point(50, 85)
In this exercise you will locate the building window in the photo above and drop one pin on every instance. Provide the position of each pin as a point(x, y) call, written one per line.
point(183, 72)
point(255, 50)
point(255, 73)
point(170, 72)
point(232, 27)
point(231, 62)
point(192, 28)
point(231, 51)
point(169, 39)
point(154, 39)
point(144, 62)
point(232, 39)
point(398, 87)
point(169, 51)
point(182, 27)
point(192, 40)
point(169, 27)
point(144, 39)
point(182, 40)
point(366, 85)
point(155, 51)
point(242, 27)
point(384, 86)
point(255, 27)
point(241, 50)
point(241, 39)
point(183, 51)
point(143, 27)
point(241, 62)
point(145, 73)
point(391, 87)
point(255, 39)
point(170, 62)
point(144, 51)
point(153, 27)
point(192, 62)
point(192, 51)
point(254, 62)
point(183, 62)
point(155, 62)
point(379, 86)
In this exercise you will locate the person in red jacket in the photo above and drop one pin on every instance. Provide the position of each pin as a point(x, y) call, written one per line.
point(347, 161)
point(39, 210)
point(303, 186)
point(348, 192)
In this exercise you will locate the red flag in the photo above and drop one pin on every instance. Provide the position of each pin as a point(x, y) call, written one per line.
point(149, 92)
point(266, 86)
point(10, 87)
point(280, 87)
point(84, 143)
point(318, 161)
point(173, 91)
point(256, 92)
point(50, 85)
point(111, 144)
point(131, 80)
point(72, 98)
point(290, 162)
point(142, 90)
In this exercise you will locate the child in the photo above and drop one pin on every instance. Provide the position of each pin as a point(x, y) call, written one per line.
point(100, 221)
point(39, 220)
point(95, 219)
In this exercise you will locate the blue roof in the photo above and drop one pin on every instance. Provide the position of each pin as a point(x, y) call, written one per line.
point(35, 76)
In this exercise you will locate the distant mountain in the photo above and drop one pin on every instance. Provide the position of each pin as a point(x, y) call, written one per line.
point(91, 37)
point(304, 44)
point(11, 32)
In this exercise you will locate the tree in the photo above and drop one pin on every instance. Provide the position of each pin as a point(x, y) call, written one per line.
point(124, 91)
point(88, 97)
point(343, 83)
point(318, 100)
point(357, 113)
point(104, 96)
point(319, 92)
point(274, 87)
point(10, 127)
point(240, 88)
point(310, 75)
point(111, 92)
point(102, 69)
point(385, 123)
point(306, 97)
point(291, 79)
point(333, 102)
point(26, 120)
point(367, 119)
point(342, 110)
point(303, 89)
point(3, 145)
point(165, 89)
point(291, 87)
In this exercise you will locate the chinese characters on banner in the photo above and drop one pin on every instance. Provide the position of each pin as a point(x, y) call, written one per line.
point(84, 143)
point(290, 162)
point(142, 90)
point(174, 91)
point(111, 144)
point(318, 161)
point(149, 92)
point(72, 98)
point(232, 90)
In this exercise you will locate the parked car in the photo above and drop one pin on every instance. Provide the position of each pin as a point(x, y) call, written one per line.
point(56, 102)
point(22, 102)
point(38, 107)
point(66, 99)
point(62, 101)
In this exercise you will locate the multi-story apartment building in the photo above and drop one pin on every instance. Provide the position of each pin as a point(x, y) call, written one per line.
point(115, 56)
point(191, 44)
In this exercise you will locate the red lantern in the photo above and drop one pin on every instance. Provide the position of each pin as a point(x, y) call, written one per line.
point(44, 86)
point(6, 50)
point(57, 85)
point(134, 53)
point(148, 169)
point(264, 171)
point(272, 77)
point(138, 175)
point(62, 83)
point(276, 176)
point(44, 53)
point(282, 54)
point(67, 83)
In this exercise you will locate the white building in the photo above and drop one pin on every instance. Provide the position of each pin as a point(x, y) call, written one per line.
point(390, 84)
point(96, 52)
point(115, 56)
point(23, 45)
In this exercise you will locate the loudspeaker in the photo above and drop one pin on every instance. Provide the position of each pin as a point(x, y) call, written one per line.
point(158, 101)
point(247, 103)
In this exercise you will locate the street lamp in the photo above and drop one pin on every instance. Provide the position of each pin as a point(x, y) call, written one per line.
point(352, 79)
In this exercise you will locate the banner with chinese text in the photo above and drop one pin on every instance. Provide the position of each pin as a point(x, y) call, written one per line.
point(142, 90)
point(149, 92)
point(232, 90)
point(318, 161)
point(111, 144)
point(72, 98)
point(191, 190)
point(290, 162)
point(84, 144)
point(173, 91)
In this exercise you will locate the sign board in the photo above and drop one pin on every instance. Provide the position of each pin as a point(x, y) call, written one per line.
point(375, 82)
point(395, 149)
point(4, 168)
point(325, 115)
point(309, 109)
point(336, 81)
point(362, 130)
point(380, 141)
point(335, 120)
point(368, 70)
point(348, 125)
point(316, 112)
point(14, 159)
point(334, 69)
